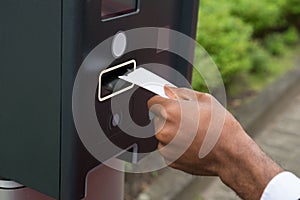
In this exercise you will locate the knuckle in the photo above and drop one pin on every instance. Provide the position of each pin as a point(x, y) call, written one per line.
point(164, 137)
point(204, 96)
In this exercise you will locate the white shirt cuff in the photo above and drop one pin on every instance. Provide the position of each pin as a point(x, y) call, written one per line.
point(283, 186)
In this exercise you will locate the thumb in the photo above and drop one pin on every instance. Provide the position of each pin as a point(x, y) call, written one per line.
point(180, 93)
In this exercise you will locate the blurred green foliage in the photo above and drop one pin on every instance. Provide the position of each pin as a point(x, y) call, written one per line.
point(263, 15)
point(291, 36)
point(291, 7)
point(242, 36)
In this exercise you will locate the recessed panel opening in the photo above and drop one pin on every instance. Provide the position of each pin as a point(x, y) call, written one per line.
point(116, 8)
point(109, 83)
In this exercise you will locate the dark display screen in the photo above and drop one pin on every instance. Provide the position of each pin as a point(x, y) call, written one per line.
point(114, 8)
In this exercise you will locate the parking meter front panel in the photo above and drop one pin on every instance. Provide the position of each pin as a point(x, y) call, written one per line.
point(173, 14)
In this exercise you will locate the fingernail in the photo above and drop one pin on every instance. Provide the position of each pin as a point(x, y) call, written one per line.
point(169, 86)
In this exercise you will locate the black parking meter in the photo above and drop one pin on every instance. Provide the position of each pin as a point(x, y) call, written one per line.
point(42, 46)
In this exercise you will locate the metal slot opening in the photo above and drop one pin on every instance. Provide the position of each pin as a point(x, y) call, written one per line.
point(109, 83)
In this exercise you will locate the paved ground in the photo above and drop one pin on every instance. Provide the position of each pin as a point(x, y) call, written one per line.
point(279, 138)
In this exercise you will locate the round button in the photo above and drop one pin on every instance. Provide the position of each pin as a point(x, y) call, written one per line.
point(116, 120)
point(151, 116)
point(119, 44)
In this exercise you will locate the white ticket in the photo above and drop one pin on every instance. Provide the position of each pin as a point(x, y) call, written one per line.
point(148, 80)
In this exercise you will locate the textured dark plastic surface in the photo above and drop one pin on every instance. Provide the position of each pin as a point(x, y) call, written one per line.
point(30, 81)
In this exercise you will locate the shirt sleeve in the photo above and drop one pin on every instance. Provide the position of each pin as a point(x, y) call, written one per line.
point(283, 186)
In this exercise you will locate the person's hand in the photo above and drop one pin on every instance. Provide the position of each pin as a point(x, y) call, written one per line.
point(187, 115)
point(234, 157)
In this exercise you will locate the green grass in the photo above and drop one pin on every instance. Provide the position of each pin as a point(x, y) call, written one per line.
point(279, 66)
point(247, 86)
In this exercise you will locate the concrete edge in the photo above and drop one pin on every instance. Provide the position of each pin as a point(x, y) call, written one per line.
point(173, 182)
point(267, 99)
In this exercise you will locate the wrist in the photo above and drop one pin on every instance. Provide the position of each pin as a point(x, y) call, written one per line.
point(246, 168)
